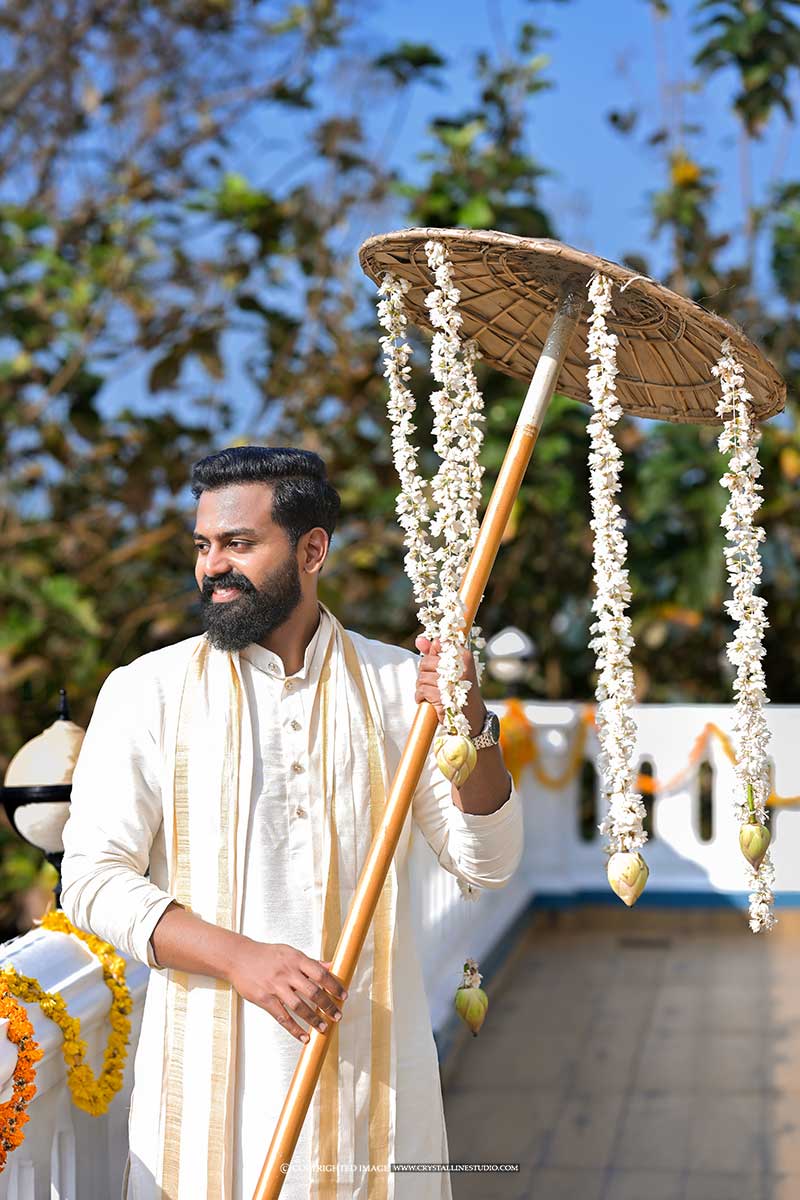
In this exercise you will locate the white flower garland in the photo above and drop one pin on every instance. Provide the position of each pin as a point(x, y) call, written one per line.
point(612, 639)
point(456, 492)
point(411, 505)
point(740, 438)
point(436, 574)
point(456, 488)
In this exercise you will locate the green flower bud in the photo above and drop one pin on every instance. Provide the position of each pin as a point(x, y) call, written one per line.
point(627, 874)
point(471, 1006)
point(754, 840)
point(455, 756)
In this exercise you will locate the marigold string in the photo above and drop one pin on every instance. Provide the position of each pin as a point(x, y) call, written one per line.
point(13, 1114)
point(91, 1094)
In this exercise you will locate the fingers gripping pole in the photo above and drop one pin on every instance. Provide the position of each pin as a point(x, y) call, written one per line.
point(376, 868)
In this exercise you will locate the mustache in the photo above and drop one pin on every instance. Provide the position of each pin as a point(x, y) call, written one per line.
point(227, 581)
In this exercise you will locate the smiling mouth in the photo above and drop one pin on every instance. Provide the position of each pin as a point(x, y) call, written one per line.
point(224, 594)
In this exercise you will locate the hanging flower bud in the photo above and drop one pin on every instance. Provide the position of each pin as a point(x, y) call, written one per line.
point(456, 757)
point(627, 874)
point(471, 1001)
point(754, 840)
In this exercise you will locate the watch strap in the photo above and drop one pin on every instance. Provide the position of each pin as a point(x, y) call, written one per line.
point(483, 738)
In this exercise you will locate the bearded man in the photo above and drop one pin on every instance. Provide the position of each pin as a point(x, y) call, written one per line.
point(244, 770)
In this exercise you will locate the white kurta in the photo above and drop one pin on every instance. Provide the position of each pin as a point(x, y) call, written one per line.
point(115, 831)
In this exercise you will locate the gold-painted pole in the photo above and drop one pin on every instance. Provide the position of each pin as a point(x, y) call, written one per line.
point(376, 868)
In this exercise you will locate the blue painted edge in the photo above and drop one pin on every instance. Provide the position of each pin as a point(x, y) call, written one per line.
point(454, 1028)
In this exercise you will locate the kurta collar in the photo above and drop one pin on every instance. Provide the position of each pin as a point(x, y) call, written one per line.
point(272, 664)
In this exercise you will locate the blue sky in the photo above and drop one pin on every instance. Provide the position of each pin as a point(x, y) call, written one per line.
point(604, 55)
point(609, 55)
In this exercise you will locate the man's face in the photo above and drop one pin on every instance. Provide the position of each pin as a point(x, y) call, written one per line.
point(246, 570)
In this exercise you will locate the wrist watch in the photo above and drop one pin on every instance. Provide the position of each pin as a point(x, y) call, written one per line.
point(489, 733)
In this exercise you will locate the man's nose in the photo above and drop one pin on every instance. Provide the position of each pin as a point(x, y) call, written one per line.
point(216, 562)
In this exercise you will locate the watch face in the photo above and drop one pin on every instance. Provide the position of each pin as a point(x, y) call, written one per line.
point(493, 727)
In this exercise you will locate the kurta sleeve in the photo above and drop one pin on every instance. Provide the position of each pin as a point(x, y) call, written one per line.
point(114, 816)
point(485, 849)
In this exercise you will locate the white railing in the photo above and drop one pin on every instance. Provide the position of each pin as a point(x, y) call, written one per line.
point(68, 1155)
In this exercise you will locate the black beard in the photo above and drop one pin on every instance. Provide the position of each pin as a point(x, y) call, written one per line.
point(234, 624)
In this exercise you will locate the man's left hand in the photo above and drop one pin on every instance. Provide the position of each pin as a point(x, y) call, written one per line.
point(428, 683)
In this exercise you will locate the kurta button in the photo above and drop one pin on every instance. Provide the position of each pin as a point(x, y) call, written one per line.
point(296, 725)
point(300, 812)
point(297, 767)
point(288, 685)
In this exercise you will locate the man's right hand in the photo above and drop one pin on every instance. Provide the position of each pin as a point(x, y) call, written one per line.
point(274, 976)
point(287, 983)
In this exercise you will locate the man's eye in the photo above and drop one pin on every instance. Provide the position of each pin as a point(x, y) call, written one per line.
point(238, 543)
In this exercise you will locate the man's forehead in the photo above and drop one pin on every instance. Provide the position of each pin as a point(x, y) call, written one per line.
point(243, 531)
point(240, 508)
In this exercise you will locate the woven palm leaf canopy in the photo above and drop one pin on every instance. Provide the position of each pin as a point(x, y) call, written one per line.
point(510, 287)
point(540, 310)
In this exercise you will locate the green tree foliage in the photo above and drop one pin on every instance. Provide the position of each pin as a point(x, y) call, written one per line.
point(748, 275)
point(142, 236)
point(761, 40)
point(125, 241)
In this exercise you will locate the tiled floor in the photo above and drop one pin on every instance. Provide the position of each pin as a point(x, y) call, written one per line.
point(635, 1055)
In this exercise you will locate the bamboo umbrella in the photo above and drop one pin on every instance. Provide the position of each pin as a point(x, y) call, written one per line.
point(523, 300)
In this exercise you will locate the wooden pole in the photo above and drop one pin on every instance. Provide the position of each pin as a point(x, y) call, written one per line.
point(376, 868)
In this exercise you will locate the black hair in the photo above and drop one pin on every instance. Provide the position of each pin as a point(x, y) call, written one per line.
point(302, 497)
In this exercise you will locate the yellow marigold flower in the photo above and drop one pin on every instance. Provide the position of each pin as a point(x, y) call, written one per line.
point(684, 172)
point(90, 1094)
point(20, 1031)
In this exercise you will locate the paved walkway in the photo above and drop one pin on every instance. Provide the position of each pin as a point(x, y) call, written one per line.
point(635, 1055)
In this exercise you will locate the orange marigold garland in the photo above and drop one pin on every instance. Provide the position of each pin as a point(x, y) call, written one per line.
point(90, 1094)
point(12, 1113)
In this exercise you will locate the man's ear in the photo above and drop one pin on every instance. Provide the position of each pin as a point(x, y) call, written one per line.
point(316, 547)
